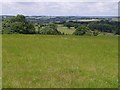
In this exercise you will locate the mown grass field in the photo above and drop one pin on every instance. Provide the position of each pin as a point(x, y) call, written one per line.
point(64, 29)
point(116, 19)
point(50, 61)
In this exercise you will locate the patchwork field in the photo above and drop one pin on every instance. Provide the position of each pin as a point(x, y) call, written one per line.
point(44, 61)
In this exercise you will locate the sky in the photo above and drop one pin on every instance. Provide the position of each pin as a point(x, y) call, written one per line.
point(68, 8)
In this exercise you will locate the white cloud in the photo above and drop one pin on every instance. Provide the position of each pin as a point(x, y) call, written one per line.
point(59, 0)
point(61, 8)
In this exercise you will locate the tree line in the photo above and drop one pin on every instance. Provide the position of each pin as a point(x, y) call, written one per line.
point(19, 25)
point(100, 26)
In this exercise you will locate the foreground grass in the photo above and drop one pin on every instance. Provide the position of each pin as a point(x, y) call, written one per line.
point(43, 61)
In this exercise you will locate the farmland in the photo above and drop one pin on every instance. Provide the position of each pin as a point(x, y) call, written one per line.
point(64, 29)
point(54, 61)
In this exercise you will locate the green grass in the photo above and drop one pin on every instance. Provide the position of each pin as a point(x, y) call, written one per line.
point(116, 19)
point(46, 61)
point(62, 29)
point(86, 20)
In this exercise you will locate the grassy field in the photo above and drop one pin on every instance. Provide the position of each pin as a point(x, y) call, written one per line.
point(116, 19)
point(44, 61)
point(62, 29)
point(87, 20)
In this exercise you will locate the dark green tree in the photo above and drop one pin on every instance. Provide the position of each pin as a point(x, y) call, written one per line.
point(69, 24)
point(18, 24)
point(81, 30)
point(50, 29)
point(95, 32)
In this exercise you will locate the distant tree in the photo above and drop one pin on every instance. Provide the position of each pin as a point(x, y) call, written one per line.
point(50, 29)
point(81, 30)
point(95, 32)
point(63, 33)
point(19, 18)
point(104, 26)
point(53, 26)
point(69, 24)
point(18, 24)
point(89, 32)
point(76, 26)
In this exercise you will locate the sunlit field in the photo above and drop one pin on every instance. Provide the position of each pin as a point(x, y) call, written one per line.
point(65, 30)
point(51, 61)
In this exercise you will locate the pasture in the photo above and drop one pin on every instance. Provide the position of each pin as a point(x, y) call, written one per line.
point(64, 29)
point(87, 20)
point(116, 19)
point(51, 61)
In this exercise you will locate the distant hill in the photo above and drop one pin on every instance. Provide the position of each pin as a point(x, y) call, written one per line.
point(60, 19)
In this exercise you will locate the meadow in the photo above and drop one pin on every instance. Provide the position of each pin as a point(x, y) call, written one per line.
point(56, 61)
point(116, 19)
point(65, 30)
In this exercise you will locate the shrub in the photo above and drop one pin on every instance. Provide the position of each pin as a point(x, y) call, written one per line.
point(95, 32)
point(49, 29)
point(89, 33)
point(81, 30)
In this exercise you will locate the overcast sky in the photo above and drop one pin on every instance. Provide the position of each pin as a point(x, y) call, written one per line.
point(61, 8)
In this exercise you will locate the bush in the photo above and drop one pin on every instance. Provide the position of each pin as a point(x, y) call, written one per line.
point(95, 32)
point(69, 24)
point(81, 30)
point(89, 33)
point(50, 29)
